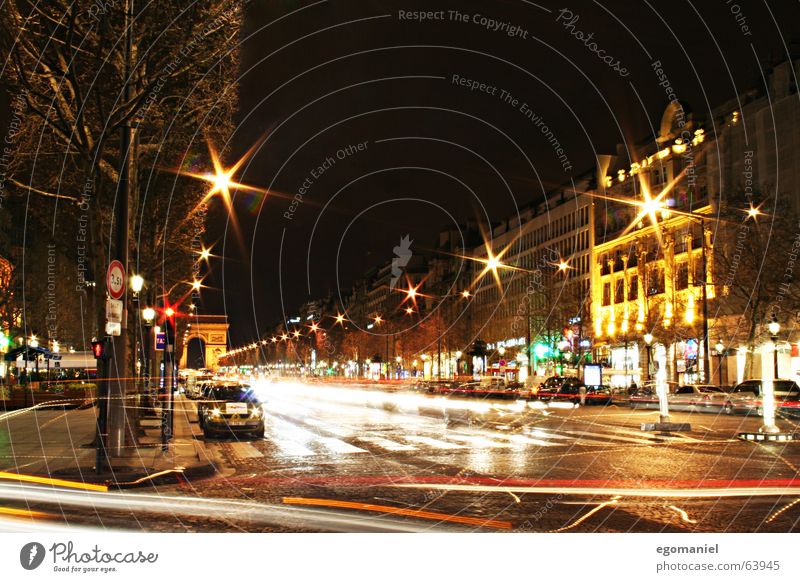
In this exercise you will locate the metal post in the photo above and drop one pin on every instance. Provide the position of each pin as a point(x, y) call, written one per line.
point(166, 396)
point(101, 437)
point(706, 350)
point(774, 339)
point(117, 416)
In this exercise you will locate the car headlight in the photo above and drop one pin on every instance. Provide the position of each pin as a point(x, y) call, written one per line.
point(216, 413)
point(256, 412)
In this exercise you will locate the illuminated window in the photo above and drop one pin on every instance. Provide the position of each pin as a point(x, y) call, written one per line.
point(633, 288)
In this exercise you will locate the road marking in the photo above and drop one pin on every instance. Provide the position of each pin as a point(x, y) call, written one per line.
point(643, 440)
point(480, 441)
point(292, 449)
point(387, 444)
point(245, 451)
point(337, 430)
point(338, 446)
point(518, 438)
point(437, 444)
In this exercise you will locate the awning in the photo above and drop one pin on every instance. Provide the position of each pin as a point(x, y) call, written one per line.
point(30, 353)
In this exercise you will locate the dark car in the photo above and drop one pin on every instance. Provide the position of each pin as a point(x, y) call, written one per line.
point(228, 409)
point(747, 397)
point(559, 387)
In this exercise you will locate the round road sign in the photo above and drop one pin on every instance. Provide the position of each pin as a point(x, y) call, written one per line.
point(115, 280)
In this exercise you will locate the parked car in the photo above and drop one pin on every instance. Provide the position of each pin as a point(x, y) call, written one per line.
point(230, 408)
point(698, 397)
point(490, 388)
point(646, 397)
point(747, 397)
point(600, 395)
point(558, 386)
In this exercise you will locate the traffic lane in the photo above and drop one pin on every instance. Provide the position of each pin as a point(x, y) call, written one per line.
point(319, 435)
point(267, 471)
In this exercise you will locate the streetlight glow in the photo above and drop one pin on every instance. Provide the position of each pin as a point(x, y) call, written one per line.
point(137, 282)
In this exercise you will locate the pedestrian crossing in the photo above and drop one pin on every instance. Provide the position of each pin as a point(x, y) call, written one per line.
point(311, 437)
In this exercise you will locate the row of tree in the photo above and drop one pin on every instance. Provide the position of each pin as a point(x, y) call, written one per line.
point(65, 63)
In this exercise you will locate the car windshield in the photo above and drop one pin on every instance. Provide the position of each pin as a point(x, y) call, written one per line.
point(232, 394)
point(787, 386)
point(706, 389)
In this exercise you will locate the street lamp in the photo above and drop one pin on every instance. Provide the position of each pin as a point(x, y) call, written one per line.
point(137, 283)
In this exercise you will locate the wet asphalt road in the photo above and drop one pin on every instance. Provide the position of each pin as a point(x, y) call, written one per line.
point(501, 466)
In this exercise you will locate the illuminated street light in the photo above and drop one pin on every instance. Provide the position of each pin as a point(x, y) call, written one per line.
point(340, 318)
point(753, 212)
point(466, 294)
point(196, 285)
point(137, 282)
point(148, 314)
point(33, 342)
point(378, 320)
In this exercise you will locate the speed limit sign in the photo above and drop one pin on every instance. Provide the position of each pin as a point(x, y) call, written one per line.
point(115, 280)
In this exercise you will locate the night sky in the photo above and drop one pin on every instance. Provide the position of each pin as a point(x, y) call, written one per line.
point(320, 78)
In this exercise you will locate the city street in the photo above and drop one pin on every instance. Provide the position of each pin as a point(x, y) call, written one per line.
point(432, 462)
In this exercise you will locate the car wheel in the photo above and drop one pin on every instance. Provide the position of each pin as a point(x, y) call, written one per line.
point(760, 411)
point(208, 434)
point(728, 408)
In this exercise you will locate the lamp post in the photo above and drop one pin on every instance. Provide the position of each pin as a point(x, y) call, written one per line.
point(149, 315)
point(774, 330)
point(720, 348)
point(648, 340)
point(768, 384)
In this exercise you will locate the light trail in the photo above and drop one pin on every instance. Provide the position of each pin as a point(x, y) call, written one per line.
point(214, 509)
point(418, 513)
point(50, 481)
point(710, 492)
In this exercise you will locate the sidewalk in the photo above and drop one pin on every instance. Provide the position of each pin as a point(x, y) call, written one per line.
point(53, 443)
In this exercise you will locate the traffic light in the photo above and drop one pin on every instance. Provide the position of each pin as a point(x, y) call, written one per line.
point(99, 349)
point(169, 324)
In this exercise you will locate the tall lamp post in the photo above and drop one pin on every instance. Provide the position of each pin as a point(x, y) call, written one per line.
point(149, 315)
point(774, 330)
point(648, 340)
point(720, 349)
point(768, 384)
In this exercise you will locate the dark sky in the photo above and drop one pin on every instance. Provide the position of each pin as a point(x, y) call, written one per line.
point(318, 77)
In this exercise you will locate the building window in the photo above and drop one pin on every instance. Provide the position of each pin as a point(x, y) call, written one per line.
point(682, 276)
point(633, 289)
point(604, 268)
point(655, 281)
point(619, 292)
point(606, 294)
point(697, 273)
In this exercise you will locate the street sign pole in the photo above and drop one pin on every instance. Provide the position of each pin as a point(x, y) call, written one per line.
point(118, 425)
